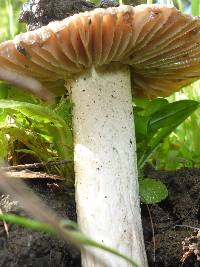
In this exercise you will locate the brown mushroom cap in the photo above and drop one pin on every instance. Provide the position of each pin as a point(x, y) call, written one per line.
point(161, 45)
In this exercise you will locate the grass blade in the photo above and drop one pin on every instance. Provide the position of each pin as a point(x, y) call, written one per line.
point(75, 234)
point(195, 7)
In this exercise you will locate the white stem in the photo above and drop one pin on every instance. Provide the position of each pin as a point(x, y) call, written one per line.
point(107, 196)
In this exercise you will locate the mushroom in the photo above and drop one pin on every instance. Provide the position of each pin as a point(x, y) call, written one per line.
point(103, 57)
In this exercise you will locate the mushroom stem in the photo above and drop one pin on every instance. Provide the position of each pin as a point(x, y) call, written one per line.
point(107, 197)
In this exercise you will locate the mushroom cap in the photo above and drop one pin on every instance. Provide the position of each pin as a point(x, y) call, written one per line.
point(160, 44)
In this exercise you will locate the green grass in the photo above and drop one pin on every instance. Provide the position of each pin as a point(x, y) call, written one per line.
point(67, 228)
point(9, 12)
point(195, 8)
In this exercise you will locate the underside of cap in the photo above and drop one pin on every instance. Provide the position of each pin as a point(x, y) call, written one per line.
point(159, 43)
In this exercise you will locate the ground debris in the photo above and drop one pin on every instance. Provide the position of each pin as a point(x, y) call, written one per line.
point(191, 247)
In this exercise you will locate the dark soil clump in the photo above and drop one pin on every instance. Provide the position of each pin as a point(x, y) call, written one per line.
point(39, 13)
point(180, 208)
point(27, 248)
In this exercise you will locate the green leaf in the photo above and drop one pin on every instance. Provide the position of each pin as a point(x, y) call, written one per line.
point(141, 126)
point(3, 146)
point(43, 118)
point(64, 110)
point(140, 102)
point(35, 112)
point(152, 191)
point(3, 90)
point(155, 106)
point(32, 140)
point(172, 114)
point(21, 95)
point(160, 125)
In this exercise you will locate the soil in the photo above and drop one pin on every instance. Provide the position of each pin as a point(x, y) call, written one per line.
point(24, 248)
point(182, 207)
point(38, 13)
point(27, 248)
